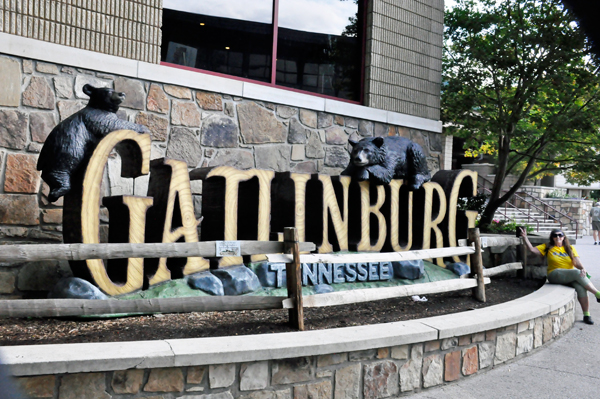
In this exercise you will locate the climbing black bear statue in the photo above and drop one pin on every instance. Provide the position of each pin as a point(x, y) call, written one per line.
point(72, 142)
point(380, 160)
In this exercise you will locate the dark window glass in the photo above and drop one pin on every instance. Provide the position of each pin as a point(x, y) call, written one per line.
point(234, 37)
point(320, 46)
point(319, 42)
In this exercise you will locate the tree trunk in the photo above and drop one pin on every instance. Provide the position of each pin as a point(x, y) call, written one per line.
point(494, 202)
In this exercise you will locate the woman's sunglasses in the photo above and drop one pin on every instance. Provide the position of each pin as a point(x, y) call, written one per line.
point(558, 235)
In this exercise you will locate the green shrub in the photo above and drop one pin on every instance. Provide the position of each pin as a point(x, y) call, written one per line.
point(504, 227)
point(476, 203)
point(557, 194)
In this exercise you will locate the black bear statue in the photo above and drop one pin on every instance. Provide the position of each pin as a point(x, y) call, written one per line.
point(72, 142)
point(380, 160)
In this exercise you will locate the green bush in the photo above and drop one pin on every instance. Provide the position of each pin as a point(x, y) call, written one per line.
point(476, 203)
point(557, 194)
point(504, 227)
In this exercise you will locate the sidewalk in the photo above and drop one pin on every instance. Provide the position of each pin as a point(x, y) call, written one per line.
point(568, 368)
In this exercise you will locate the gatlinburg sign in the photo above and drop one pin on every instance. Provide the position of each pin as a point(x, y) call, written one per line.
point(337, 213)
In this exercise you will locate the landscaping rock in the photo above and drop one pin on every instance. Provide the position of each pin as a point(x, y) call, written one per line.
point(42, 275)
point(271, 274)
point(237, 280)
point(207, 282)
point(409, 269)
point(76, 288)
point(459, 268)
point(323, 288)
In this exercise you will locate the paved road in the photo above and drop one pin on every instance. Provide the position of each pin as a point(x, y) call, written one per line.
point(568, 368)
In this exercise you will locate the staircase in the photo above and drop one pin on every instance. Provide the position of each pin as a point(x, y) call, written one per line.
point(541, 224)
point(524, 208)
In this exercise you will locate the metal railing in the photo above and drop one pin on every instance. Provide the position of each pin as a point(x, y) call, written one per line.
point(558, 211)
point(512, 206)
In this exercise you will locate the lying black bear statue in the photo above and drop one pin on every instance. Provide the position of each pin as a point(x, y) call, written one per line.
point(380, 160)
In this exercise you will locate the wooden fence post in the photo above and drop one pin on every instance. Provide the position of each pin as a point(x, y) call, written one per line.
point(522, 254)
point(294, 277)
point(477, 264)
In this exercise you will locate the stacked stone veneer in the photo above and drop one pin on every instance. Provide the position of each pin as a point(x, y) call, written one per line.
point(198, 127)
point(404, 56)
point(373, 373)
point(125, 28)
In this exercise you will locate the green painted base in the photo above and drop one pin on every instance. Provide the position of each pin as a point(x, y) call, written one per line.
point(179, 288)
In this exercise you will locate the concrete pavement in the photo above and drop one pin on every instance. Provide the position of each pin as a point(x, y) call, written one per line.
point(568, 368)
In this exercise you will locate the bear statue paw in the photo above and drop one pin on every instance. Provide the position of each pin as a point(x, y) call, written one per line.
point(56, 193)
point(362, 175)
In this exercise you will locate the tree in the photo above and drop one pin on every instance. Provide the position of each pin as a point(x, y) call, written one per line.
point(519, 77)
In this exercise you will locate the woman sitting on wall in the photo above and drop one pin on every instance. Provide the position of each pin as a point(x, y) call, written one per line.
point(564, 267)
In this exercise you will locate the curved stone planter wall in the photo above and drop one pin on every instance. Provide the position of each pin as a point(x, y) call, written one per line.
point(375, 361)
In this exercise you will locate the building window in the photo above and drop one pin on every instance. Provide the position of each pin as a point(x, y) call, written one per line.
point(317, 45)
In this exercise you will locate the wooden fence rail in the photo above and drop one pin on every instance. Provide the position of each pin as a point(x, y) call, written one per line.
point(36, 252)
point(95, 307)
point(287, 252)
point(376, 294)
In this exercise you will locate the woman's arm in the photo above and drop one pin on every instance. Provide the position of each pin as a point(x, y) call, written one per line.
point(578, 265)
point(531, 248)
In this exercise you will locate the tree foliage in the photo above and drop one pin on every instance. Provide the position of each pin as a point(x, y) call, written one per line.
point(519, 76)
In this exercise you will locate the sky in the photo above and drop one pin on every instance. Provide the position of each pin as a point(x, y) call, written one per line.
point(321, 16)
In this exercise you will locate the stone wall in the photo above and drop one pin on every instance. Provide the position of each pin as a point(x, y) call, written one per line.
point(125, 28)
point(404, 56)
point(199, 127)
point(372, 373)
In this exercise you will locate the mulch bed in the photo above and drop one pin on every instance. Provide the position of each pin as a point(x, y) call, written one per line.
point(30, 331)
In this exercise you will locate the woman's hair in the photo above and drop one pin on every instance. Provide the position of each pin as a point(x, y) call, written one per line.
point(566, 243)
